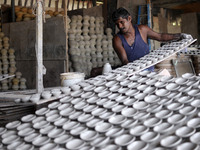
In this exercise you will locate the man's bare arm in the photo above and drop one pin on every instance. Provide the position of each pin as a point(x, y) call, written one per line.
point(117, 45)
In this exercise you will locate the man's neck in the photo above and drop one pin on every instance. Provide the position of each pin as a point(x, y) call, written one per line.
point(130, 32)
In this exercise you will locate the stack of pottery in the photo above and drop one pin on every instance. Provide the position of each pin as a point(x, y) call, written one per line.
point(8, 65)
point(4, 85)
point(113, 111)
point(99, 34)
point(73, 44)
point(15, 85)
point(23, 14)
point(11, 57)
point(89, 47)
point(26, 13)
point(113, 58)
point(86, 58)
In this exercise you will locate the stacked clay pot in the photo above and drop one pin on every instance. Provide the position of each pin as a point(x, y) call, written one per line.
point(23, 14)
point(26, 13)
point(8, 67)
point(89, 47)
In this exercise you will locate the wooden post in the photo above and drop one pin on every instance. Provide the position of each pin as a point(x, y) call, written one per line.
point(56, 5)
point(66, 32)
point(13, 10)
point(94, 3)
point(149, 21)
point(20, 2)
point(49, 3)
point(39, 47)
point(105, 12)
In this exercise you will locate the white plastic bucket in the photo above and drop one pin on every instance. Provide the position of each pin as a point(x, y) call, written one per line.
point(71, 78)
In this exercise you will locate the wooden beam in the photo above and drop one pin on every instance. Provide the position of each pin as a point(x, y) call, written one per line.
point(49, 3)
point(39, 47)
point(78, 4)
point(94, 2)
point(63, 3)
point(68, 4)
point(66, 32)
point(105, 12)
point(31, 3)
point(25, 3)
point(20, 3)
point(13, 10)
point(83, 3)
point(170, 3)
point(88, 3)
point(187, 8)
point(73, 5)
point(56, 5)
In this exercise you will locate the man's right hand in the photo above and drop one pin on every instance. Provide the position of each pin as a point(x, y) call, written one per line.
point(186, 36)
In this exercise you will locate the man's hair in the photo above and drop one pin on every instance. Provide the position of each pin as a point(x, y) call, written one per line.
point(120, 12)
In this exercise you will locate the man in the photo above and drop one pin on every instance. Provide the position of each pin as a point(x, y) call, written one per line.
point(130, 43)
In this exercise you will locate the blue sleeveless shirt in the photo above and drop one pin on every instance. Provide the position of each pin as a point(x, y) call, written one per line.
point(138, 49)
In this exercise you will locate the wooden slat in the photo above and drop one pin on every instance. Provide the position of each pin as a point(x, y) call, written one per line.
point(63, 4)
point(105, 12)
point(83, 3)
point(94, 3)
point(39, 49)
point(88, 3)
point(66, 32)
point(68, 4)
point(31, 3)
point(49, 5)
point(25, 3)
point(20, 3)
point(56, 5)
point(73, 5)
point(78, 4)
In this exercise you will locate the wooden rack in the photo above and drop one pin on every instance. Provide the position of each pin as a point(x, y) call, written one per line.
point(71, 4)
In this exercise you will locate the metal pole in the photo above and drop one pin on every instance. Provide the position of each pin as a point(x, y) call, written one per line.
point(66, 31)
point(139, 13)
point(39, 47)
point(149, 19)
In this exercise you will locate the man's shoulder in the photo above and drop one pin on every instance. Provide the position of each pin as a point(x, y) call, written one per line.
point(142, 26)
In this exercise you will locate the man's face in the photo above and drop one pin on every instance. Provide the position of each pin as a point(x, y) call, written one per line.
point(123, 24)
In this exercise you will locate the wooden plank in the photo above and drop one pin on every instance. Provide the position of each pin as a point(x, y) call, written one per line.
point(25, 3)
point(13, 116)
point(68, 1)
point(39, 48)
point(63, 4)
point(94, 3)
point(56, 5)
point(19, 108)
point(20, 3)
point(78, 4)
point(13, 10)
point(83, 3)
point(49, 5)
point(105, 12)
point(73, 5)
point(66, 32)
point(31, 3)
point(87, 2)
